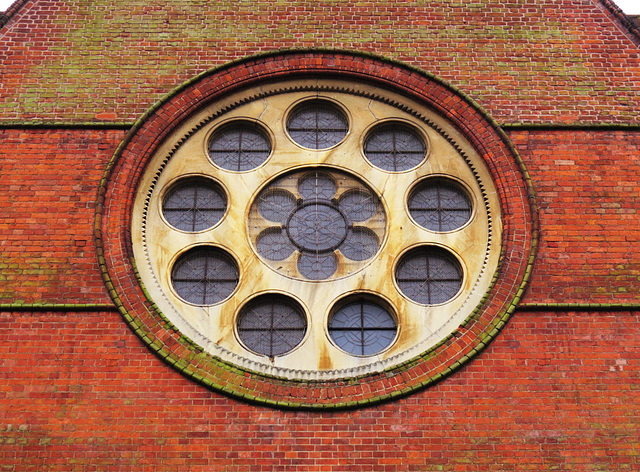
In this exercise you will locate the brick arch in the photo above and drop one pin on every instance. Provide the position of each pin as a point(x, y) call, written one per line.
point(119, 186)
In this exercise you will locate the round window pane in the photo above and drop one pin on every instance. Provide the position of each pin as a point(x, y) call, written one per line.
point(239, 147)
point(395, 147)
point(440, 205)
point(194, 204)
point(317, 124)
point(204, 275)
point(362, 328)
point(317, 227)
point(272, 325)
point(429, 275)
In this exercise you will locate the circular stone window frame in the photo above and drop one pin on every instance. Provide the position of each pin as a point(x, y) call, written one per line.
point(355, 297)
point(180, 180)
point(262, 128)
point(154, 131)
point(388, 123)
point(319, 97)
point(464, 187)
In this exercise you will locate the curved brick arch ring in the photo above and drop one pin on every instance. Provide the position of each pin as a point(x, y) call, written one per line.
point(119, 186)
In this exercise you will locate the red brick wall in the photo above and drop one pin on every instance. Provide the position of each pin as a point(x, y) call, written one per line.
point(589, 250)
point(48, 191)
point(586, 183)
point(79, 391)
point(557, 389)
point(534, 61)
point(554, 391)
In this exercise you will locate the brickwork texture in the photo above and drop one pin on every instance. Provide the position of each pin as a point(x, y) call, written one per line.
point(557, 389)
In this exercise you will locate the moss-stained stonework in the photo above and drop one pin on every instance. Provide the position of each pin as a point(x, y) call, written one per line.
point(124, 276)
point(553, 61)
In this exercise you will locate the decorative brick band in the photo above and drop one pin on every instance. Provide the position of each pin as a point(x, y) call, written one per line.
point(117, 192)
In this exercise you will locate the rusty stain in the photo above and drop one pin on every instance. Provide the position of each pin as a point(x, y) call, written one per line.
point(156, 245)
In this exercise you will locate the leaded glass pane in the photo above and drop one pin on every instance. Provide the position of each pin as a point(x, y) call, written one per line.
point(274, 244)
point(360, 244)
point(194, 204)
point(358, 205)
point(440, 205)
point(429, 275)
point(317, 186)
point(329, 220)
point(317, 124)
point(204, 275)
point(272, 325)
point(317, 227)
point(315, 266)
point(276, 205)
point(363, 328)
point(395, 147)
point(239, 147)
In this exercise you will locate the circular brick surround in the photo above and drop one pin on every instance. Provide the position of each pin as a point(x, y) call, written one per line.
point(120, 184)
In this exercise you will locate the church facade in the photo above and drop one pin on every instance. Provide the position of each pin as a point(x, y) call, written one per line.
point(331, 236)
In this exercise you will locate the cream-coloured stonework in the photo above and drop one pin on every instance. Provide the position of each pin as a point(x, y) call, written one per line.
point(476, 245)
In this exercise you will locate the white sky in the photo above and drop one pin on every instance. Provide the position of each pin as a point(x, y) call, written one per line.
point(630, 7)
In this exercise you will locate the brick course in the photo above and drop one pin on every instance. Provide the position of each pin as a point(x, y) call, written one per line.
point(557, 389)
point(47, 195)
point(588, 206)
point(549, 61)
point(586, 183)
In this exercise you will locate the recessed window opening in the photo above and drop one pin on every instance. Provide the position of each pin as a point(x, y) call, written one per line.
point(205, 275)
point(272, 325)
point(239, 146)
point(440, 204)
point(362, 327)
point(429, 275)
point(194, 204)
point(395, 147)
point(317, 124)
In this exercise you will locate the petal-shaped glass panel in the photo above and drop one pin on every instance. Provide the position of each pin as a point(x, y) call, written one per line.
point(317, 266)
point(360, 244)
point(276, 205)
point(274, 244)
point(317, 185)
point(358, 205)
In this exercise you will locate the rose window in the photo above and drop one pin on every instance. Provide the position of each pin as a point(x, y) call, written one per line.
point(316, 230)
point(316, 224)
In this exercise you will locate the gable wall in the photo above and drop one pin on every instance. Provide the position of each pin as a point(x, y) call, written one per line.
point(556, 390)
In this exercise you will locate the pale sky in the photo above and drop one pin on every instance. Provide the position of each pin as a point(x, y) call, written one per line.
point(630, 7)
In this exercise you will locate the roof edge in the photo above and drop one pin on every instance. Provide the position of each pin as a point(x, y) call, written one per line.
point(11, 11)
point(623, 20)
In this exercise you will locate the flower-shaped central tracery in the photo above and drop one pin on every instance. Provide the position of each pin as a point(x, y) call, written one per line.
point(317, 224)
